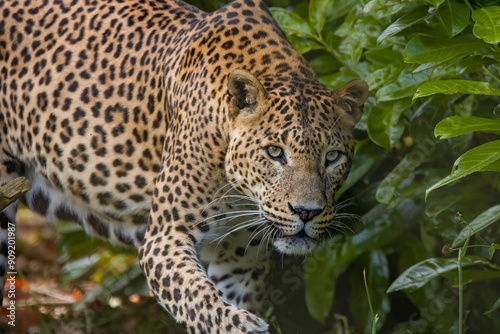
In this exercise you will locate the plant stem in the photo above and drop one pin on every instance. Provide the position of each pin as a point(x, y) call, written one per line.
point(471, 246)
point(461, 253)
point(374, 316)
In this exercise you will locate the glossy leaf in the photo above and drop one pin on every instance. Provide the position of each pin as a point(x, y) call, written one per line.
point(451, 199)
point(291, 23)
point(484, 220)
point(303, 45)
point(387, 189)
point(405, 86)
point(435, 3)
point(383, 124)
point(317, 12)
point(487, 24)
point(473, 64)
point(405, 21)
point(324, 64)
point(479, 159)
point(424, 49)
point(320, 286)
point(340, 8)
point(379, 77)
point(384, 56)
point(473, 276)
point(421, 273)
point(454, 15)
point(458, 125)
point(456, 86)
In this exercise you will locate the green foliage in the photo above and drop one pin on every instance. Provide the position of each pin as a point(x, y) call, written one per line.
point(433, 71)
point(486, 24)
point(450, 87)
point(421, 273)
point(458, 125)
point(484, 158)
point(481, 222)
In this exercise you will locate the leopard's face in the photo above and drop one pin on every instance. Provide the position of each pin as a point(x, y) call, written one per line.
point(290, 151)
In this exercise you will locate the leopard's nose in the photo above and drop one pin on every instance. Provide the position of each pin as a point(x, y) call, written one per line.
point(305, 214)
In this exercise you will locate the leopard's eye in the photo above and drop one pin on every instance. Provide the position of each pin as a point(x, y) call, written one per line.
point(275, 152)
point(333, 157)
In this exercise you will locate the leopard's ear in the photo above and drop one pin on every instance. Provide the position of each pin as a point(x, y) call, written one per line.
point(352, 97)
point(245, 92)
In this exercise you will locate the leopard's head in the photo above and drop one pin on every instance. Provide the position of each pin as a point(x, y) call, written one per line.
point(290, 150)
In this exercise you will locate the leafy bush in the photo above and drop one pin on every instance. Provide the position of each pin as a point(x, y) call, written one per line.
point(434, 76)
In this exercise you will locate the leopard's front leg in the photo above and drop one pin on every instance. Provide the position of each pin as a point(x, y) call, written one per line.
point(175, 275)
point(239, 265)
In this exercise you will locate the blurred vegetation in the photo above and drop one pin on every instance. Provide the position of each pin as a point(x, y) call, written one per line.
point(424, 180)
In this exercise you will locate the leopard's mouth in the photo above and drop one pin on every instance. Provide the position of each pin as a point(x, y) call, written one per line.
point(302, 234)
point(297, 244)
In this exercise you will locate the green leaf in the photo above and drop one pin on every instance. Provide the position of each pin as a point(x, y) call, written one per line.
point(473, 64)
point(384, 56)
point(424, 49)
point(291, 23)
point(317, 11)
point(303, 45)
point(458, 125)
point(340, 8)
point(454, 16)
point(320, 285)
point(472, 276)
point(404, 86)
point(381, 76)
point(335, 80)
point(404, 22)
point(481, 222)
point(479, 159)
point(435, 3)
point(448, 200)
point(487, 24)
point(330, 259)
point(384, 127)
point(427, 66)
point(421, 273)
point(491, 250)
point(387, 189)
point(494, 307)
point(450, 87)
point(324, 64)
point(347, 26)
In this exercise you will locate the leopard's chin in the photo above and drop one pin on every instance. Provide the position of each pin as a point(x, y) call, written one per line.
point(298, 244)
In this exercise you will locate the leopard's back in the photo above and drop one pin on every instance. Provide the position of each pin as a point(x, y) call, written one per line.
point(84, 106)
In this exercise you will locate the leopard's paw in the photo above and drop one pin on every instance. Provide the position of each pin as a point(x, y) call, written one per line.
point(245, 322)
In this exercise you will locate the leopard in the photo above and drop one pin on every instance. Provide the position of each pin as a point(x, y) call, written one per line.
point(201, 139)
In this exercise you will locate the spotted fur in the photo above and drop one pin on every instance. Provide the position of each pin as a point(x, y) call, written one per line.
point(199, 138)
